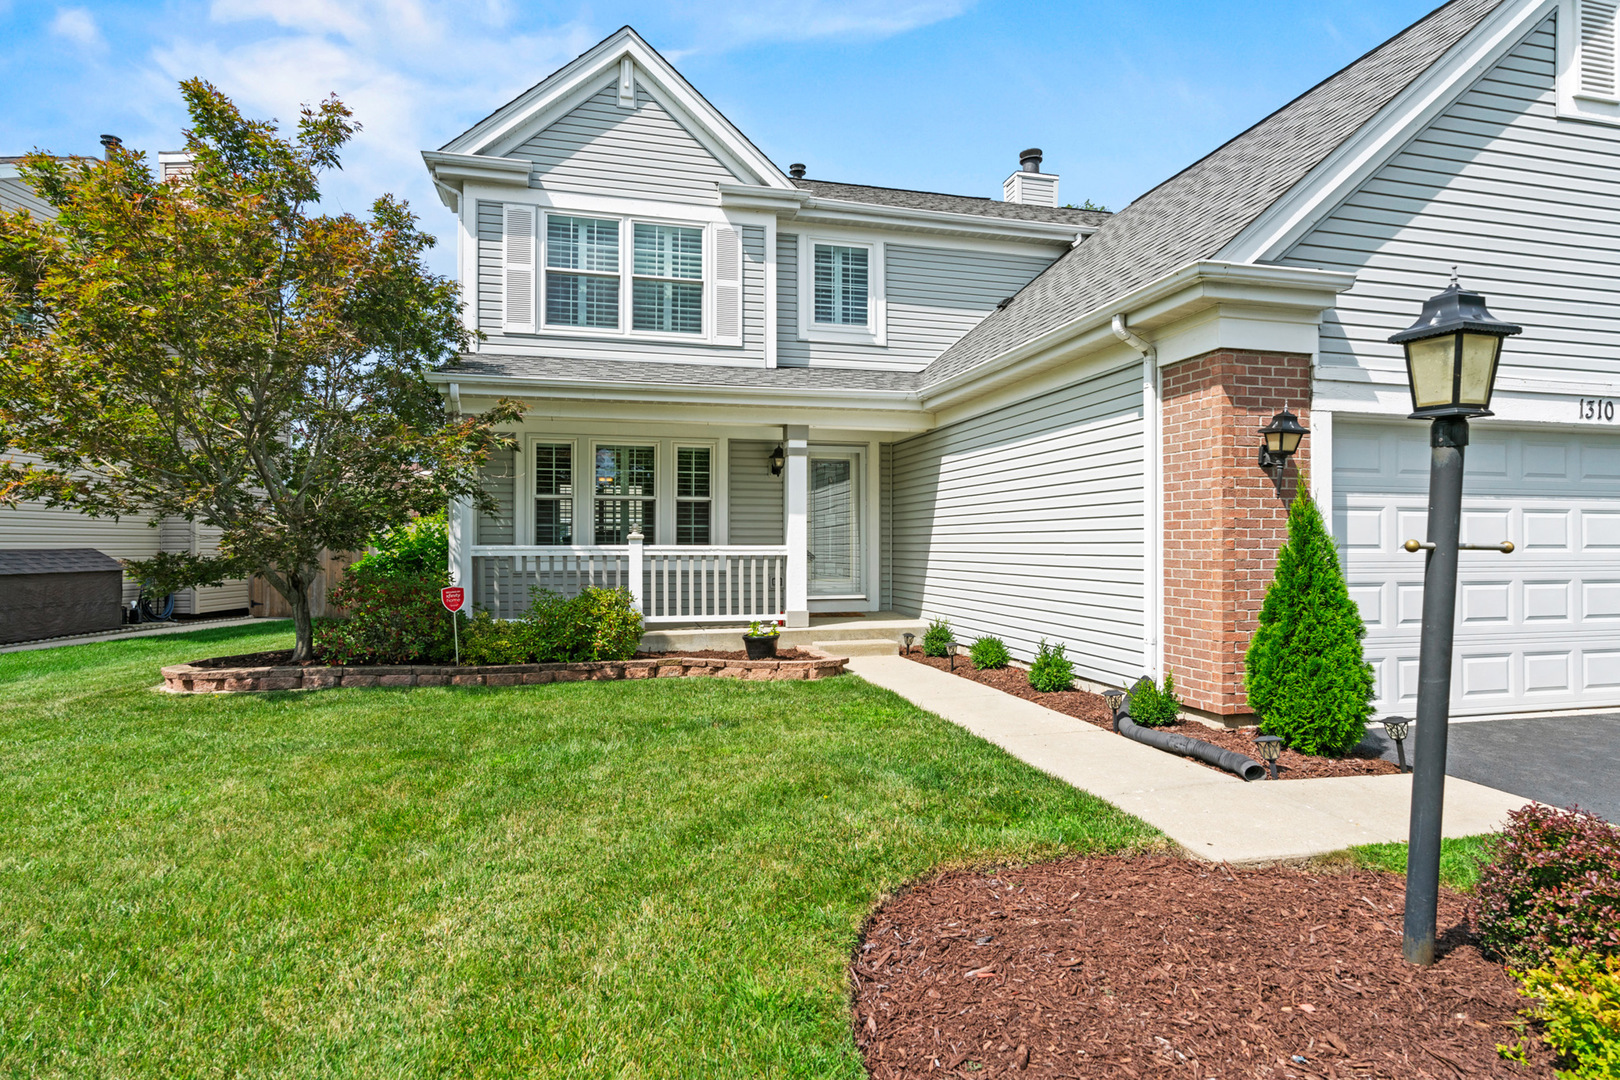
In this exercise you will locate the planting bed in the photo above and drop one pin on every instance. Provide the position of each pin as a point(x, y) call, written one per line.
point(275, 671)
point(1083, 705)
point(1162, 967)
point(730, 654)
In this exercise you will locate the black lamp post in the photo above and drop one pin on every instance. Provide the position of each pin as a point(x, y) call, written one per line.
point(1279, 440)
point(1270, 747)
point(1451, 358)
point(1397, 728)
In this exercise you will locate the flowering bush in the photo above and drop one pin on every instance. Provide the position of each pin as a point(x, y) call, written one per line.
point(393, 619)
point(1553, 883)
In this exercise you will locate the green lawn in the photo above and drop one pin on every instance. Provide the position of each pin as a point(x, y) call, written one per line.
point(1461, 859)
point(659, 878)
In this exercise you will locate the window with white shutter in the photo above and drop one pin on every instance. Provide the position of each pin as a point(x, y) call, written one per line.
point(1589, 59)
point(728, 286)
point(518, 263)
point(1597, 44)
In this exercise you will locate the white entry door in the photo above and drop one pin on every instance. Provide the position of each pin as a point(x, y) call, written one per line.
point(1536, 630)
point(835, 524)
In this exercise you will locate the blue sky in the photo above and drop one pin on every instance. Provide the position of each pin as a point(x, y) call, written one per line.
point(932, 94)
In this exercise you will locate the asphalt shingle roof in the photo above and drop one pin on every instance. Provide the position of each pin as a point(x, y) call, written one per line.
point(1195, 213)
point(953, 204)
point(625, 372)
point(22, 561)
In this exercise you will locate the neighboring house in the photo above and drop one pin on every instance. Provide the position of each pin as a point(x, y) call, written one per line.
point(1076, 463)
point(36, 526)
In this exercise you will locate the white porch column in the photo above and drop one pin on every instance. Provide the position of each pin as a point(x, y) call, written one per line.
point(638, 572)
point(796, 505)
point(461, 544)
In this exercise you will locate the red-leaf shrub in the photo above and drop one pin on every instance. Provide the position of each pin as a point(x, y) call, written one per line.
point(1553, 883)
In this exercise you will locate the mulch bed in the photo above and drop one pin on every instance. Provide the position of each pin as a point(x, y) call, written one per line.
point(1147, 967)
point(1083, 705)
point(724, 654)
point(275, 658)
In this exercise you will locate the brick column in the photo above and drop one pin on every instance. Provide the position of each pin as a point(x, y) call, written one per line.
point(1223, 518)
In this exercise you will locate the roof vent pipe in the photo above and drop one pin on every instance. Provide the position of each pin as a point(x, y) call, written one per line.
point(796, 170)
point(109, 143)
point(1030, 160)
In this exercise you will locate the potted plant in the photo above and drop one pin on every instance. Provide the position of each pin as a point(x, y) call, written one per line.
point(760, 641)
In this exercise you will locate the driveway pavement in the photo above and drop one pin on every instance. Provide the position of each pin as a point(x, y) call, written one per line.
point(1559, 760)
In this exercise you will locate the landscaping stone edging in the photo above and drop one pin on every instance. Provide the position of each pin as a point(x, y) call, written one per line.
point(193, 679)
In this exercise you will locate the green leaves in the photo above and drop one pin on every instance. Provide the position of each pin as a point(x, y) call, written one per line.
point(1304, 669)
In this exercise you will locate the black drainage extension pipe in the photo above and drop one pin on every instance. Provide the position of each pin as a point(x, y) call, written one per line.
point(1209, 753)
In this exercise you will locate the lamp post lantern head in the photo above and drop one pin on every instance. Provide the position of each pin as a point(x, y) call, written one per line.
point(1452, 353)
point(1280, 440)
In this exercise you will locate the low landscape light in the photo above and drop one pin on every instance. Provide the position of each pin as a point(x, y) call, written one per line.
point(1270, 748)
point(954, 649)
point(1280, 441)
point(1397, 728)
point(1115, 699)
point(1452, 353)
point(908, 639)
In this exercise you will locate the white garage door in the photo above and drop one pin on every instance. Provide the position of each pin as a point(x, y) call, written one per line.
point(1538, 629)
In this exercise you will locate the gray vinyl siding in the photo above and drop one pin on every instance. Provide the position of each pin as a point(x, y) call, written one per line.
point(1026, 523)
point(500, 480)
point(16, 195)
point(934, 296)
point(643, 152)
point(754, 498)
point(491, 276)
point(1526, 205)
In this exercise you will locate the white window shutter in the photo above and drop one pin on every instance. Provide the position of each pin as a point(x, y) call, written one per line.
point(728, 286)
point(518, 263)
point(1597, 48)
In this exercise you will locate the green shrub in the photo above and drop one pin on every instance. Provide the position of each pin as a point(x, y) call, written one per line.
point(936, 638)
point(1152, 705)
point(613, 624)
point(1553, 883)
point(597, 624)
point(1578, 1009)
point(989, 653)
point(392, 619)
point(488, 640)
point(1051, 671)
point(1304, 670)
point(419, 548)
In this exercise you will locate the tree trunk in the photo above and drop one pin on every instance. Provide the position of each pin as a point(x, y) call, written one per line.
point(303, 626)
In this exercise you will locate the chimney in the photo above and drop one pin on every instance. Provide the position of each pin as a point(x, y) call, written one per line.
point(1029, 185)
point(109, 143)
point(796, 170)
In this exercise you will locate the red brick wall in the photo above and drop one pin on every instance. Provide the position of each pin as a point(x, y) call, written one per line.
point(1223, 517)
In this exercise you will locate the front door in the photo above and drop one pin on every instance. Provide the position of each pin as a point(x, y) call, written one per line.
point(835, 524)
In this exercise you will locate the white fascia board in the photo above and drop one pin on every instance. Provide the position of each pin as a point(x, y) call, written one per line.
point(1156, 308)
point(801, 206)
point(1288, 219)
point(9, 172)
point(451, 172)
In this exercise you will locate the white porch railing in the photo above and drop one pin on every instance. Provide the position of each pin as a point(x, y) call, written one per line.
point(669, 584)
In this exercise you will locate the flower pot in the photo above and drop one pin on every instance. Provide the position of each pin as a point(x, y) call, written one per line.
point(760, 648)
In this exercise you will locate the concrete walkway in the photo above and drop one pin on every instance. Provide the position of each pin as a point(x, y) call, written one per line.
point(140, 630)
point(1212, 815)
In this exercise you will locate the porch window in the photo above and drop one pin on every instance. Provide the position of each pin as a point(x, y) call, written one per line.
point(841, 285)
point(693, 497)
point(554, 494)
point(667, 291)
point(582, 272)
point(625, 484)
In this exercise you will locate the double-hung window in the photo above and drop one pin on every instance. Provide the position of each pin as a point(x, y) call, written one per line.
point(582, 272)
point(554, 493)
point(667, 293)
point(842, 283)
point(694, 498)
point(625, 490)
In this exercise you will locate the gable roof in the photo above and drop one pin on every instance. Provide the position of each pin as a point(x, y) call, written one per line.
point(1195, 213)
point(953, 204)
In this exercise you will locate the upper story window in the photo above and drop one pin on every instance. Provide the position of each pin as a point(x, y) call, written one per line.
point(1589, 60)
point(841, 284)
point(619, 276)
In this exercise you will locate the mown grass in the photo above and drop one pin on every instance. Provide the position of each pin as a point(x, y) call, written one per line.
point(660, 878)
point(1461, 859)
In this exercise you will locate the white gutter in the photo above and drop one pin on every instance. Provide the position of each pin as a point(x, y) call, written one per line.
point(799, 205)
point(1152, 500)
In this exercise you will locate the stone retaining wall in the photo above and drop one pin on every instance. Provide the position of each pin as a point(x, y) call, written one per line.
point(194, 679)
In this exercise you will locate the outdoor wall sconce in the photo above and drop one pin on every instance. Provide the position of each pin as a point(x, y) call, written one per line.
point(778, 459)
point(1397, 728)
point(1270, 748)
point(954, 649)
point(1279, 441)
point(908, 639)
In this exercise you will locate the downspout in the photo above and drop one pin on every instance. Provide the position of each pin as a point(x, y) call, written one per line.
point(1152, 500)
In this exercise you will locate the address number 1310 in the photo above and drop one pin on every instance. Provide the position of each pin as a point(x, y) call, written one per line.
point(1596, 409)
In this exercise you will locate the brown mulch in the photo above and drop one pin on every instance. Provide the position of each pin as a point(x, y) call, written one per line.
point(1083, 705)
point(724, 654)
point(1148, 967)
point(275, 658)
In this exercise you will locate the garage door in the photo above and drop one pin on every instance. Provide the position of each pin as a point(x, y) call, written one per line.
point(1536, 630)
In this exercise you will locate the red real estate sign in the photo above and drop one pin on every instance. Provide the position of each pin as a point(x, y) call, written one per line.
point(453, 597)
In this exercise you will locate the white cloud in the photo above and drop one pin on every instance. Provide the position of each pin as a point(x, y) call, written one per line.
point(78, 26)
point(725, 25)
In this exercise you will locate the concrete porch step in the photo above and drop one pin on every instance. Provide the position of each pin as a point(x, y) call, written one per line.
point(823, 632)
point(859, 647)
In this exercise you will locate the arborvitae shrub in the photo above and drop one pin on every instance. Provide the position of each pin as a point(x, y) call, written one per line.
point(989, 653)
point(1553, 883)
point(1304, 671)
point(1152, 706)
point(936, 638)
point(1051, 671)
